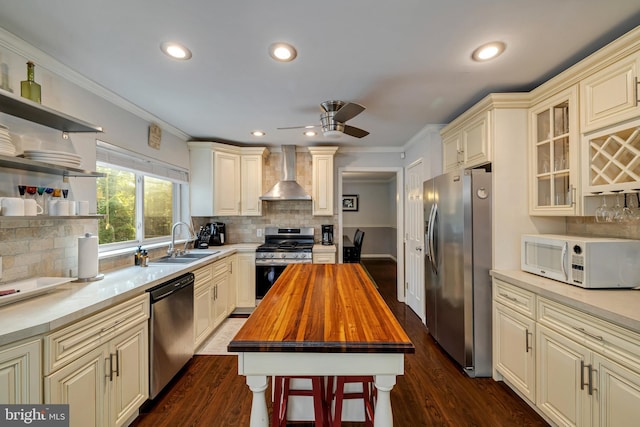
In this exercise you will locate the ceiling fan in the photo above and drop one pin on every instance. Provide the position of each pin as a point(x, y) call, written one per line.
point(333, 117)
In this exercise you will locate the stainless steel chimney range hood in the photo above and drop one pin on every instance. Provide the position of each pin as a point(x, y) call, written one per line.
point(287, 188)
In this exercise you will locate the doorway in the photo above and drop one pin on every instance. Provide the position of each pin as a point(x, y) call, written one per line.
point(350, 176)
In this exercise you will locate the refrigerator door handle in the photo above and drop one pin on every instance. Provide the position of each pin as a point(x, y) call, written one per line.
point(432, 249)
point(427, 232)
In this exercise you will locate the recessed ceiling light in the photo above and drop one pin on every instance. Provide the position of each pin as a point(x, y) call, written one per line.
point(175, 50)
point(310, 133)
point(258, 133)
point(488, 51)
point(282, 52)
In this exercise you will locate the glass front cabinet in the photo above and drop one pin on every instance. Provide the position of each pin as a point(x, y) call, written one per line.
point(554, 156)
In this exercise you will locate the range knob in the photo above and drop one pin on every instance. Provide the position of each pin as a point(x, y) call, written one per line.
point(270, 255)
point(283, 256)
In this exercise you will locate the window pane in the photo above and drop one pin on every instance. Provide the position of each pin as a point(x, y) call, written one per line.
point(158, 207)
point(117, 202)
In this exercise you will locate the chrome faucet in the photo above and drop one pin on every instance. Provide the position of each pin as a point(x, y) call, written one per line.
point(172, 251)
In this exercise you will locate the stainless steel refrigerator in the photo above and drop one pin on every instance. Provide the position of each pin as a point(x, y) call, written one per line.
point(457, 212)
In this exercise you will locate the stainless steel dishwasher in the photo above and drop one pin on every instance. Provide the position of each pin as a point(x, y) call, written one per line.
point(171, 330)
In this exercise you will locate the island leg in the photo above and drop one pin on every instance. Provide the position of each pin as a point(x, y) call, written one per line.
point(259, 412)
point(383, 416)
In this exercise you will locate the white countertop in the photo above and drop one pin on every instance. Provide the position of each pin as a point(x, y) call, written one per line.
point(620, 306)
point(72, 301)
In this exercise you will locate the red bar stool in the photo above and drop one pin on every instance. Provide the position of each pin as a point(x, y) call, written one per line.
point(281, 392)
point(367, 395)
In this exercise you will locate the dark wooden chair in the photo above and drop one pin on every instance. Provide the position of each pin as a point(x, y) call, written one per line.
point(357, 243)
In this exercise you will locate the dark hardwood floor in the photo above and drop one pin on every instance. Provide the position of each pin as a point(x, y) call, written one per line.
point(432, 392)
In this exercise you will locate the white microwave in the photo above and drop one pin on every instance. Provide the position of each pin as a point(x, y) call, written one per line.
point(588, 262)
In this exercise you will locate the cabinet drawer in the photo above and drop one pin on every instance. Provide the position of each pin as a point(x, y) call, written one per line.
point(220, 267)
point(69, 343)
point(516, 298)
point(324, 259)
point(618, 343)
point(202, 275)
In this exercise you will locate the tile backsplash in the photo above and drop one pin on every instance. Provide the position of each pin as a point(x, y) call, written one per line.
point(41, 247)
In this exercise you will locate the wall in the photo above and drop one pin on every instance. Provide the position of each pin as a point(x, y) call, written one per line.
point(49, 247)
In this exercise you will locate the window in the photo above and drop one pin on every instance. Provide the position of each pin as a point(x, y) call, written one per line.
point(139, 199)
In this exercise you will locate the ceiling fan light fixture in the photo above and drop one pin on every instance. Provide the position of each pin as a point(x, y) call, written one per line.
point(282, 52)
point(176, 50)
point(332, 133)
point(488, 51)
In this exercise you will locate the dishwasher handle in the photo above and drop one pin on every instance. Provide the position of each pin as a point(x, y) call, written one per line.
point(165, 289)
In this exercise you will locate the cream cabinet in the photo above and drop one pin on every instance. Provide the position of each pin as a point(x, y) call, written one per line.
point(245, 279)
point(610, 96)
point(322, 180)
point(554, 156)
point(220, 185)
point(100, 365)
point(21, 373)
point(468, 144)
point(202, 306)
point(513, 337)
point(586, 369)
point(324, 258)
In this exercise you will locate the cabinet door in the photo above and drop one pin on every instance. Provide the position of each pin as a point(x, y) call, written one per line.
point(324, 258)
point(232, 287)
point(451, 152)
point(562, 392)
point(246, 280)
point(610, 96)
point(203, 303)
point(227, 184)
point(220, 295)
point(322, 184)
point(83, 384)
point(554, 171)
point(618, 395)
point(514, 352)
point(475, 141)
point(20, 373)
point(251, 184)
point(130, 384)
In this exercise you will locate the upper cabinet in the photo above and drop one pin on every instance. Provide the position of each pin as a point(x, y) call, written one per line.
point(225, 180)
point(467, 145)
point(610, 96)
point(322, 181)
point(554, 155)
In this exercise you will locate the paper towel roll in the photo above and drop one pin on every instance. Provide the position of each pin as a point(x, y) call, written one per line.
point(87, 256)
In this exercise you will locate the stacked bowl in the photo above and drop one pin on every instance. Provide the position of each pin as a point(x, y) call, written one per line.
point(6, 147)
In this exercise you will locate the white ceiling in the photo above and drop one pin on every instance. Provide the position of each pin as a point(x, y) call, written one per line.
point(407, 61)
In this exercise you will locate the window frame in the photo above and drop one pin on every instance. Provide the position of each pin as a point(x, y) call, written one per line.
point(109, 156)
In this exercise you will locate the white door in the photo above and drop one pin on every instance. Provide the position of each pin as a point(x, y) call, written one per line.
point(414, 275)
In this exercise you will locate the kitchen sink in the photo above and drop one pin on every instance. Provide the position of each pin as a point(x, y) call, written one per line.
point(182, 259)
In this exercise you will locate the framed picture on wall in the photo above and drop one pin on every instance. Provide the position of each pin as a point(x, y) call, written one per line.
point(350, 202)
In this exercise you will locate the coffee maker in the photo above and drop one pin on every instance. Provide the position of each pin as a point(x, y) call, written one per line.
point(327, 234)
point(217, 233)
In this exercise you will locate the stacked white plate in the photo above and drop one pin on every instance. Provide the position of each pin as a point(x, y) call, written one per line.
point(60, 158)
point(6, 147)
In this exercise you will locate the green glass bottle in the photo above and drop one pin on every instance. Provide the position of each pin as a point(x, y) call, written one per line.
point(29, 88)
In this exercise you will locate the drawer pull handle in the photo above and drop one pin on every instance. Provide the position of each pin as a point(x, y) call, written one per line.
point(510, 298)
point(528, 347)
point(597, 337)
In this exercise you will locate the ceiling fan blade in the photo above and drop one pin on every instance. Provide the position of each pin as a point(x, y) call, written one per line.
point(300, 127)
point(355, 132)
point(347, 112)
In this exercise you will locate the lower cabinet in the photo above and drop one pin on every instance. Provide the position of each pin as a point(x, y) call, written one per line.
point(324, 258)
point(214, 297)
point(586, 370)
point(108, 380)
point(21, 373)
point(245, 279)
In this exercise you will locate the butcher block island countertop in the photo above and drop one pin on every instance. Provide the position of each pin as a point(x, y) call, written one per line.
point(323, 308)
point(322, 319)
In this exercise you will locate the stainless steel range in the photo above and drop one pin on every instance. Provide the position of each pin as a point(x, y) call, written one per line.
point(282, 246)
